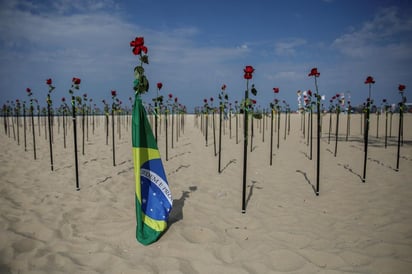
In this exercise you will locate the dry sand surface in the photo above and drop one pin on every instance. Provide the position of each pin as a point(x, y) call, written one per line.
point(46, 226)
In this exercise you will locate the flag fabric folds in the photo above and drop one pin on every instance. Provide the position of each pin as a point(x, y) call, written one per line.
point(153, 197)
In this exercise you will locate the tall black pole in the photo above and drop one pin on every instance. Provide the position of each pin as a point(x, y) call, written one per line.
point(206, 125)
point(399, 138)
point(64, 125)
point(24, 126)
point(400, 129)
point(237, 128)
point(277, 145)
point(220, 139)
point(17, 122)
point(173, 124)
point(83, 127)
point(214, 132)
point(318, 138)
point(32, 129)
point(365, 159)
point(75, 142)
point(286, 123)
point(271, 136)
point(113, 139)
point(245, 137)
point(348, 123)
point(50, 128)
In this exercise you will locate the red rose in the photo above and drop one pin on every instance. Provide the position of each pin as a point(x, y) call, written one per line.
point(309, 92)
point(223, 87)
point(314, 72)
point(211, 99)
point(175, 99)
point(205, 100)
point(49, 81)
point(276, 90)
point(401, 87)
point(334, 97)
point(254, 102)
point(170, 95)
point(337, 95)
point(384, 100)
point(28, 90)
point(63, 99)
point(248, 72)
point(114, 93)
point(369, 80)
point(76, 81)
point(159, 85)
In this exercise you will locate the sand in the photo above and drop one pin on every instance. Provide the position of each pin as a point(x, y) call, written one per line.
point(46, 226)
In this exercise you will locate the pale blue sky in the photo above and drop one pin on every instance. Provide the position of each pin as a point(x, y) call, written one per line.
point(197, 46)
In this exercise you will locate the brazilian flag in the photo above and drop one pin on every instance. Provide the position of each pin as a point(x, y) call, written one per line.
point(153, 197)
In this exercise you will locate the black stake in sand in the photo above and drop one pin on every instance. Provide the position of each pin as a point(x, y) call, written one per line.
point(75, 84)
point(369, 81)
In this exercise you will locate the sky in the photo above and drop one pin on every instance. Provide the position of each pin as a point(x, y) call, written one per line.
point(195, 47)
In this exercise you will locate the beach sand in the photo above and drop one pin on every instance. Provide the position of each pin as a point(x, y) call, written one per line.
point(46, 226)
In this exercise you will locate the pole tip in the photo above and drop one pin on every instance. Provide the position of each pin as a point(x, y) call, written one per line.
point(78, 189)
point(363, 180)
point(243, 211)
point(317, 193)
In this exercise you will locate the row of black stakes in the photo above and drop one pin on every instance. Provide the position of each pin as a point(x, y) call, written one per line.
point(177, 127)
point(365, 125)
point(275, 124)
point(13, 121)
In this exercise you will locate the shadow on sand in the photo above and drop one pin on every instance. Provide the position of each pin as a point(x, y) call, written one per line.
point(177, 211)
point(307, 179)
